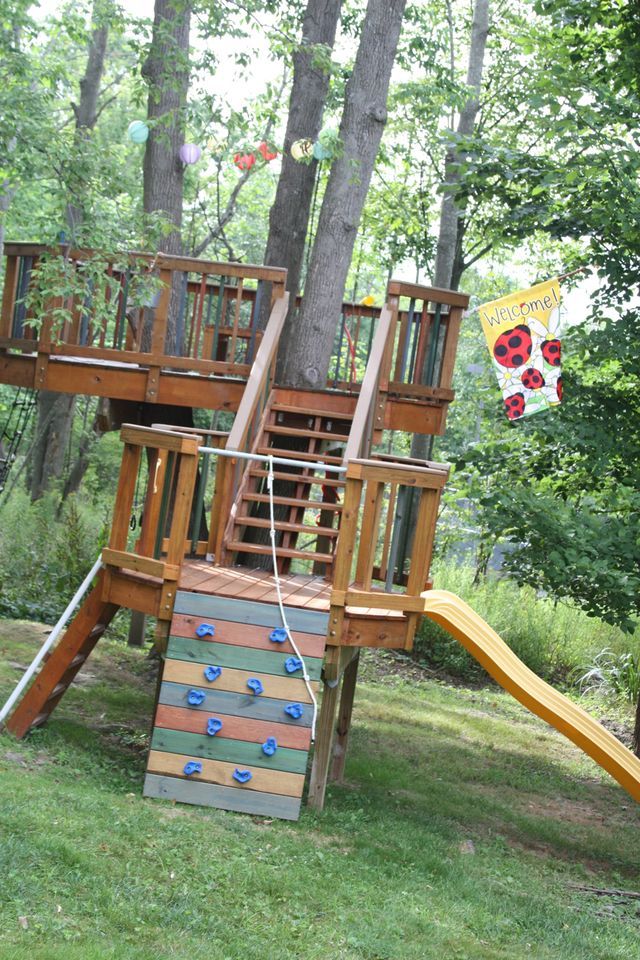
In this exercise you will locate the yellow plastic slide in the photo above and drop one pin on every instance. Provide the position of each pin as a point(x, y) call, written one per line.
point(485, 645)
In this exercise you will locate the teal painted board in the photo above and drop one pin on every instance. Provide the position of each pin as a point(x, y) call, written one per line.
point(234, 704)
point(225, 798)
point(239, 658)
point(248, 611)
point(240, 752)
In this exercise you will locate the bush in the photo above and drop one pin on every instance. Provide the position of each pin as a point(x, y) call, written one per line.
point(43, 559)
point(553, 639)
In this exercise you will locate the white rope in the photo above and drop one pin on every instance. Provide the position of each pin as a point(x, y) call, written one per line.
point(272, 532)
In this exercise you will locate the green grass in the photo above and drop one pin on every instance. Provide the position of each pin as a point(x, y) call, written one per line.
point(555, 640)
point(459, 834)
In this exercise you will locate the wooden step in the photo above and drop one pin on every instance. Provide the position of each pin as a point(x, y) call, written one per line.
point(293, 502)
point(286, 526)
point(299, 455)
point(310, 412)
point(309, 434)
point(265, 549)
point(300, 477)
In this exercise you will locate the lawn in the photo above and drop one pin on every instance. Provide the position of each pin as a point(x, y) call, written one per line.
point(465, 830)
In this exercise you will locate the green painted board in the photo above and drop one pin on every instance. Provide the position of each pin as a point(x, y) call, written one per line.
point(234, 704)
point(225, 798)
point(248, 611)
point(239, 658)
point(232, 751)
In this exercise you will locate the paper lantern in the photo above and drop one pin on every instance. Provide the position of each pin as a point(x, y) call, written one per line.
point(138, 131)
point(244, 161)
point(368, 301)
point(302, 149)
point(190, 153)
point(267, 154)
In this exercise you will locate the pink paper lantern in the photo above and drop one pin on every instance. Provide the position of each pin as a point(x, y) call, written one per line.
point(190, 153)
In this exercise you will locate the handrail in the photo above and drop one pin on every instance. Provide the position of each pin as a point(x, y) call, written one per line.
point(369, 388)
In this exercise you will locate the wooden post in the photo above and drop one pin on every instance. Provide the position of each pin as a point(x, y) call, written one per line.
point(9, 297)
point(344, 719)
point(324, 741)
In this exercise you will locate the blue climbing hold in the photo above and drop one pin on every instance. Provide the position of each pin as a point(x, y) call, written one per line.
point(213, 726)
point(270, 746)
point(193, 766)
point(278, 635)
point(242, 776)
point(195, 697)
point(294, 710)
point(292, 664)
point(205, 630)
point(255, 686)
point(212, 673)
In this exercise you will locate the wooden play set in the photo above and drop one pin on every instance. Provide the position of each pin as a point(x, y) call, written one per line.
point(306, 543)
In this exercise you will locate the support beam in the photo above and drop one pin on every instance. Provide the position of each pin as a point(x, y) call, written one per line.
point(324, 741)
point(344, 719)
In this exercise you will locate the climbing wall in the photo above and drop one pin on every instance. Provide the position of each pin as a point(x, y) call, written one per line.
point(233, 722)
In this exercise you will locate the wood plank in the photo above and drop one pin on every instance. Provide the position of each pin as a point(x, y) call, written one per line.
point(242, 753)
point(288, 527)
point(414, 416)
point(323, 505)
point(238, 705)
point(216, 771)
point(227, 631)
point(237, 546)
point(313, 402)
point(224, 798)
point(400, 288)
point(260, 614)
point(133, 561)
point(232, 680)
point(213, 651)
point(238, 728)
point(397, 473)
point(160, 439)
point(124, 496)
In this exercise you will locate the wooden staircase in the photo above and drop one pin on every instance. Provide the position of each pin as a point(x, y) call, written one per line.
point(306, 498)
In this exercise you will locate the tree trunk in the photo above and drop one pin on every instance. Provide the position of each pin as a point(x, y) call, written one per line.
point(306, 355)
point(53, 430)
point(449, 254)
point(167, 73)
point(86, 112)
point(55, 411)
point(449, 239)
point(289, 215)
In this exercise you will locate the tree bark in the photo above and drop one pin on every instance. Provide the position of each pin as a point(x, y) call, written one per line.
point(449, 248)
point(167, 73)
point(289, 215)
point(449, 264)
point(306, 354)
point(55, 410)
point(86, 111)
point(166, 70)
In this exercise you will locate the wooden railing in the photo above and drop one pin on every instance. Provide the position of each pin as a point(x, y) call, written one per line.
point(361, 577)
point(169, 474)
point(162, 311)
point(422, 349)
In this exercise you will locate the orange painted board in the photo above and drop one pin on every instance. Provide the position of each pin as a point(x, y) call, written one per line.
point(217, 771)
point(235, 681)
point(236, 728)
point(243, 635)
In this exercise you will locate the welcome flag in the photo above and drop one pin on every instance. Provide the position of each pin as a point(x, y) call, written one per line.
point(522, 333)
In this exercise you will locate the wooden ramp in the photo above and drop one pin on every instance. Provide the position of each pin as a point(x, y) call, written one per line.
point(233, 723)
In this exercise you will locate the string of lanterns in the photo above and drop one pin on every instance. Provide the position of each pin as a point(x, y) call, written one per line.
point(189, 153)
